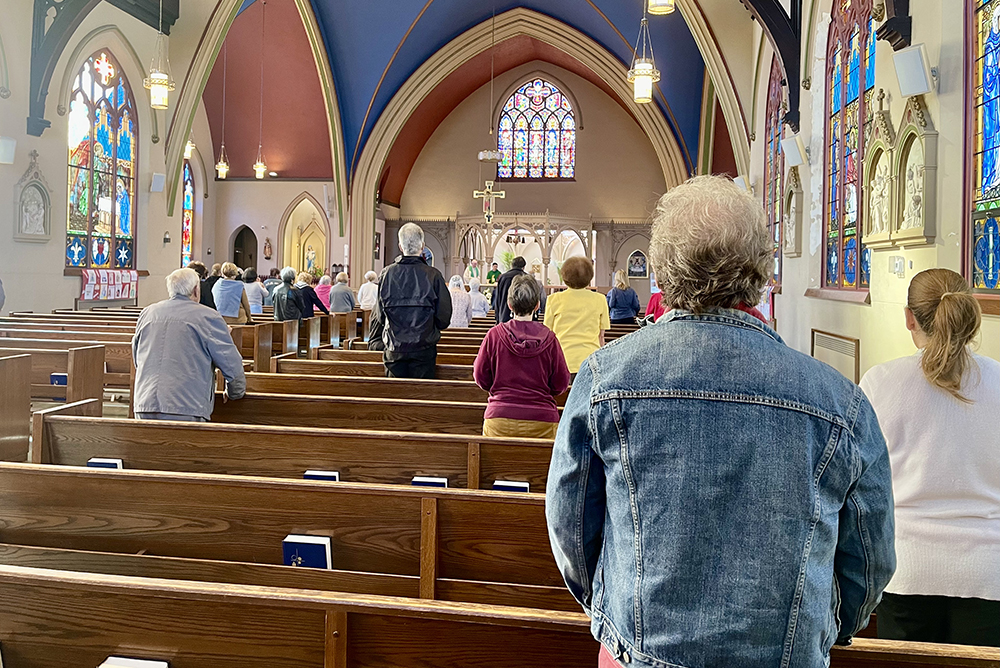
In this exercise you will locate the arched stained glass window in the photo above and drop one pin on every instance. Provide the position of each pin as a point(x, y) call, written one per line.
point(851, 86)
point(985, 237)
point(537, 137)
point(187, 216)
point(774, 163)
point(103, 144)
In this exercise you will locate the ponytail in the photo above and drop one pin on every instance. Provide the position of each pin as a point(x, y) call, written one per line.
point(949, 315)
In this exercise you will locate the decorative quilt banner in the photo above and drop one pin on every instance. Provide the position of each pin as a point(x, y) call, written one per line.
point(108, 284)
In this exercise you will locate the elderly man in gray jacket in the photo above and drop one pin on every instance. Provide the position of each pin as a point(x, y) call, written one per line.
point(177, 346)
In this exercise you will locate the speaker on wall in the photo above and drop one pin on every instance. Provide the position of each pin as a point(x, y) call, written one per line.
point(795, 151)
point(913, 72)
point(158, 182)
point(7, 147)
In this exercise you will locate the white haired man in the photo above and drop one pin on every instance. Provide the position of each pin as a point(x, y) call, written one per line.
point(288, 301)
point(177, 346)
point(716, 498)
point(413, 306)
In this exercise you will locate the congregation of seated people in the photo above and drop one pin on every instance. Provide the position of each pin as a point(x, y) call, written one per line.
point(714, 497)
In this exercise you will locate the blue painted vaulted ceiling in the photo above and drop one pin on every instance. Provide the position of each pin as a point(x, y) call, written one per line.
point(375, 45)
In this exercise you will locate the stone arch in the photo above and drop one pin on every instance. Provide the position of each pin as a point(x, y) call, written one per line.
point(279, 250)
point(190, 92)
point(479, 38)
point(126, 56)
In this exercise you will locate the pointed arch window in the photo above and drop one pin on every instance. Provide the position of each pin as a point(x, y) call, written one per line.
point(850, 67)
point(187, 215)
point(103, 146)
point(774, 164)
point(984, 240)
point(537, 134)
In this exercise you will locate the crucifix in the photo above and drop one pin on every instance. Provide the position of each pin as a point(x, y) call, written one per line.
point(489, 197)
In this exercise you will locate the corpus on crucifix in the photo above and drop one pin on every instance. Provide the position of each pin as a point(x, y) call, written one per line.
point(489, 197)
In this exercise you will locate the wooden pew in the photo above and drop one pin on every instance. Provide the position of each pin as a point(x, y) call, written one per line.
point(61, 325)
point(15, 407)
point(254, 343)
point(462, 544)
point(59, 619)
point(117, 358)
point(289, 364)
point(473, 462)
point(332, 355)
point(205, 625)
point(84, 368)
point(309, 335)
point(354, 386)
point(352, 413)
point(285, 337)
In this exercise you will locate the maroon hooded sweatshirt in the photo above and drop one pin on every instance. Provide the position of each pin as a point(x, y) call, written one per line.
point(521, 365)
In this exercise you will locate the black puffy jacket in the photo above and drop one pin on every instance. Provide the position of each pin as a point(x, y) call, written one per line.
point(413, 306)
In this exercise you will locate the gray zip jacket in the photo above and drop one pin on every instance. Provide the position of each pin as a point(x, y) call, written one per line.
point(177, 346)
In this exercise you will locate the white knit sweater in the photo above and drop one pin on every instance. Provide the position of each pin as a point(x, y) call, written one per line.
point(945, 457)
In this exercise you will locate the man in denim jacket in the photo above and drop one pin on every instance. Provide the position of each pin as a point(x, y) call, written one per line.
point(716, 498)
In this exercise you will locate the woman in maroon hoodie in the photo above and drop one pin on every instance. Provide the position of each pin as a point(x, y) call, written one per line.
point(521, 365)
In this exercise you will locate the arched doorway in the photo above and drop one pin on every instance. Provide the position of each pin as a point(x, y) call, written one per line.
point(245, 249)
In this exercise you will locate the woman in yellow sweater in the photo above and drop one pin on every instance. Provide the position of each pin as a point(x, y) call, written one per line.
point(578, 316)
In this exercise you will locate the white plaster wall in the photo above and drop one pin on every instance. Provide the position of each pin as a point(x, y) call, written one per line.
point(617, 171)
point(32, 273)
point(880, 326)
point(260, 206)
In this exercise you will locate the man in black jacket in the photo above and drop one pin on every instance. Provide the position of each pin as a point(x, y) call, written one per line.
point(413, 306)
point(500, 308)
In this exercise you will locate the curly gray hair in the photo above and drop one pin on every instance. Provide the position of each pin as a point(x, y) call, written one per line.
point(710, 245)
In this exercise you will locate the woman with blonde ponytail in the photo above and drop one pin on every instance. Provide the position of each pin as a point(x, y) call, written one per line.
point(938, 410)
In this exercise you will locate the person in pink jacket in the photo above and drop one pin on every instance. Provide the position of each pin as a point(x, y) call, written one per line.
point(521, 364)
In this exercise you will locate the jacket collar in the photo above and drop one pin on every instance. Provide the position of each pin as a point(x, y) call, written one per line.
point(727, 316)
point(411, 259)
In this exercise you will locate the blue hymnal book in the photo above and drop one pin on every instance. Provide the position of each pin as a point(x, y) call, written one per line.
point(58, 379)
point(511, 486)
point(307, 551)
point(332, 476)
point(104, 463)
point(428, 481)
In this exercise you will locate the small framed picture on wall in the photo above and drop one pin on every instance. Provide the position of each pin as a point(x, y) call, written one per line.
point(637, 266)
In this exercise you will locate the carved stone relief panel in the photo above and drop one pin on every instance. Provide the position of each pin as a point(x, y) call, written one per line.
point(792, 215)
point(915, 172)
point(879, 181)
point(32, 205)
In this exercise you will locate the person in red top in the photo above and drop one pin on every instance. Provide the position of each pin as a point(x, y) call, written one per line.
point(521, 364)
point(655, 307)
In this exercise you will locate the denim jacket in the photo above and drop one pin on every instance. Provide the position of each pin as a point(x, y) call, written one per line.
point(716, 498)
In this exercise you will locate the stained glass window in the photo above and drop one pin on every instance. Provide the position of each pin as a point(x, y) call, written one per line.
point(100, 221)
point(851, 85)
point(537, 137)
point(985, 238)
point(187, 215)
point(774, 164)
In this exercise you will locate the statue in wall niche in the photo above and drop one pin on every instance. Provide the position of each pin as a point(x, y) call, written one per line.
point(267, 248)
point(310, 259)
point(32, 219)
point(878, 214)
point(789, 223)
point(913, 203)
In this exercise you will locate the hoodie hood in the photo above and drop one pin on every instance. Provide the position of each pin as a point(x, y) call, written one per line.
point(526, 339)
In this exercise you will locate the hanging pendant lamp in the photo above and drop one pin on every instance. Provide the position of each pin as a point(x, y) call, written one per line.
point(643, 74)
point(159, 83)
point(660, 7)
point(222, 166)
point(260, 167)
